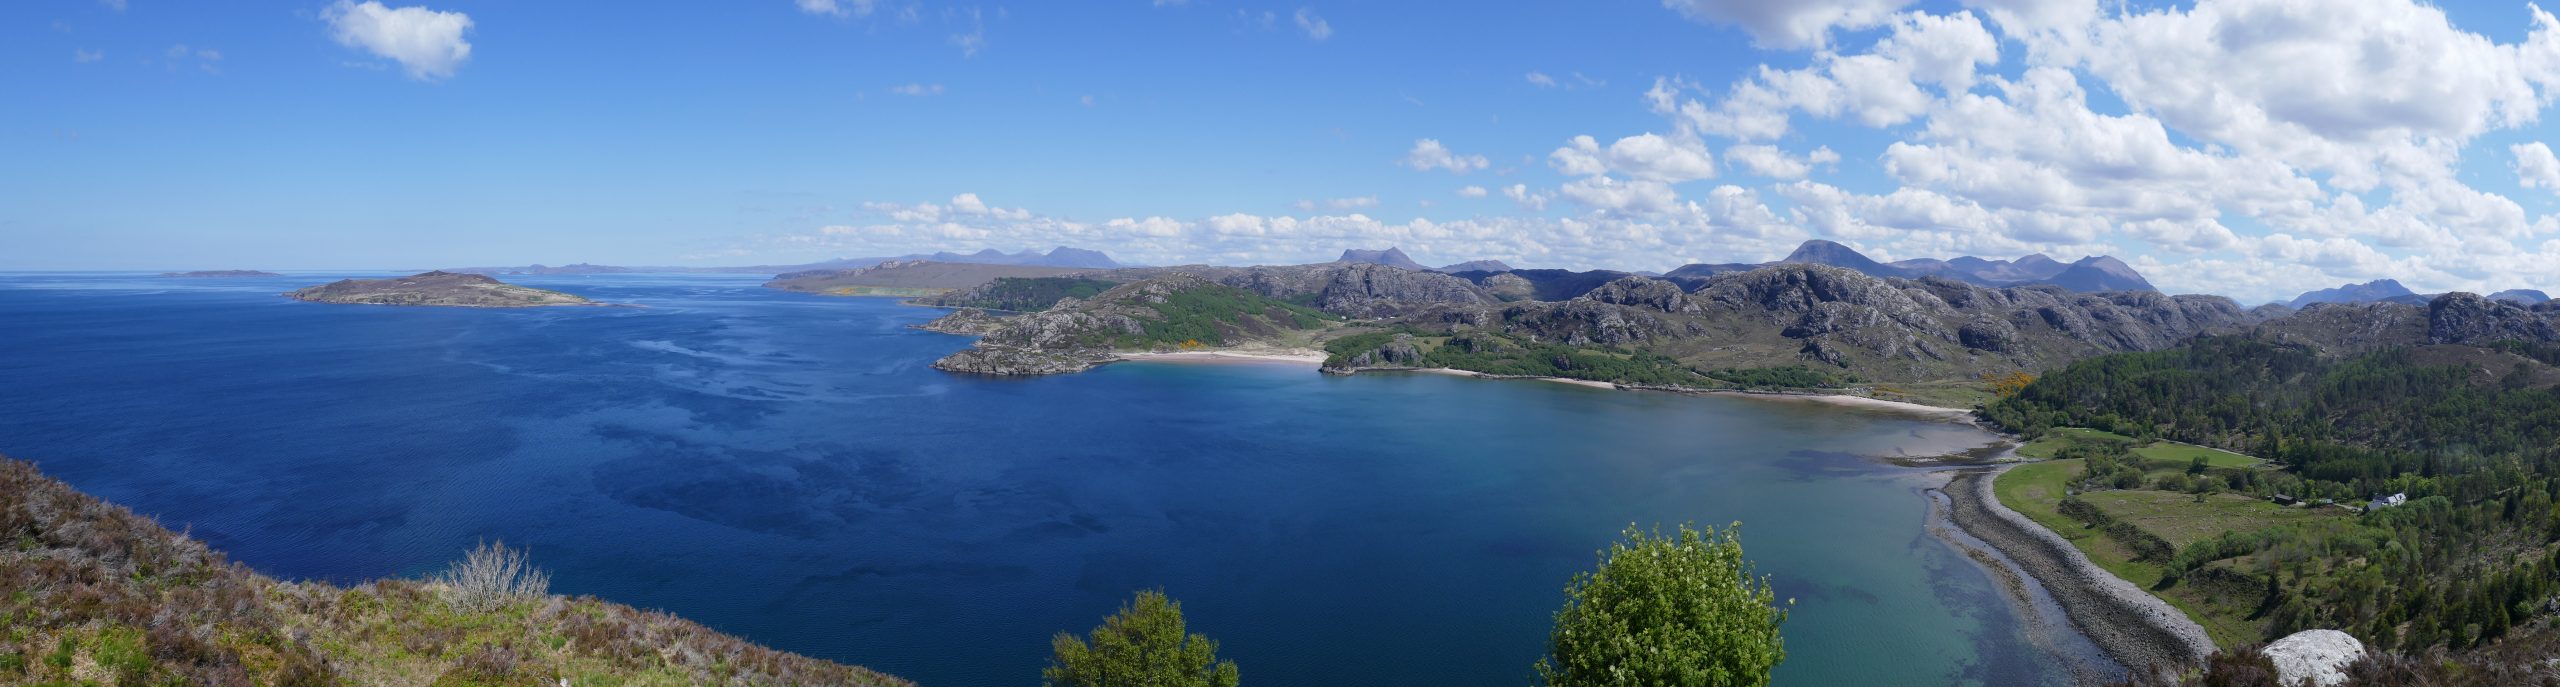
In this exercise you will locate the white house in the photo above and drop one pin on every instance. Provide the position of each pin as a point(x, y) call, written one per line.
point(2381, 502)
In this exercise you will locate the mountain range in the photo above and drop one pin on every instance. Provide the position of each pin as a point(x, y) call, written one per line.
point(2390, 291)
point(1395, 257)
point(2092, 274)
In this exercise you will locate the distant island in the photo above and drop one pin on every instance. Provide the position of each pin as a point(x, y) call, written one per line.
point(220, 274)
point(436, 288)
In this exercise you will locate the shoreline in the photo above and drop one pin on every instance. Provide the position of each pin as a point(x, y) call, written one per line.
point(2137, 630)
point(1958, 415)
point(1290, 356)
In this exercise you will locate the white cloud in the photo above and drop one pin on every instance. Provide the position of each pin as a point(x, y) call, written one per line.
point(917, 89)
point(837, 8)
point(1769, 161)
point(1530, 201)
point(1650, 157)
point(1729, 222)
point(88, 56)
point(1541, 80)
point(1633, 197)
point(1788, 24)
point(1337, 203)
point(1315, 26)
point(117, 5)
point(425, 42)
point(1428, 154)
point(2535, 166)
point(1471, 192)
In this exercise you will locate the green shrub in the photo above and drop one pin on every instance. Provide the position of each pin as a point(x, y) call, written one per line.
point(1674, 611)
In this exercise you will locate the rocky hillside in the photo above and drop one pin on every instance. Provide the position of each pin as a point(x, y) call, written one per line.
point(2092, 274)
point(1173, 312)
point(1879, 328)
point(96, 595)
point(435, 288)
point(2453, 318)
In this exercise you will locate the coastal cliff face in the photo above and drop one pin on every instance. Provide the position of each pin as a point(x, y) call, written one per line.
point(99, 595)
point(435, 288)
point(1178, 311)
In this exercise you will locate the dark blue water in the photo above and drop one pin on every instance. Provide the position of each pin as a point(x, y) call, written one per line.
point(787, 468)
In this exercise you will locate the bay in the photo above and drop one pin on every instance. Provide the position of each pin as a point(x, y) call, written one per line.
point(786, 467)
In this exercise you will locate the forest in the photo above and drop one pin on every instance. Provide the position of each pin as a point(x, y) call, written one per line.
point(2470, 435)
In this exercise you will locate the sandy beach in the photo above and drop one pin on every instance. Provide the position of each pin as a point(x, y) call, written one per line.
point(1295, 357)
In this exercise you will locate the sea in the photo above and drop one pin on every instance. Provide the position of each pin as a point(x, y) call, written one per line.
point(788, 468)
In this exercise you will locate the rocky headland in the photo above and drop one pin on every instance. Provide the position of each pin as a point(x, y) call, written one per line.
point(1177, 312)
point(437, 288)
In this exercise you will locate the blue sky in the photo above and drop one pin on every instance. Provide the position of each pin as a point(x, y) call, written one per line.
point(152, 134)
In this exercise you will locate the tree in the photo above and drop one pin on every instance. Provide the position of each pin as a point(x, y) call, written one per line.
point(1675, 611)
point(1144, 645)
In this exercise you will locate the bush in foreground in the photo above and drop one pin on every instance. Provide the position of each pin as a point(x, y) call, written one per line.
point(1667, 611)
point(1144, 645)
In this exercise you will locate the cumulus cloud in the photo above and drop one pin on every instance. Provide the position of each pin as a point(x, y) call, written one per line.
point(1788, 24)
point(427, 43)
point(1650, 157)
point(1315, 26)
point(1428, 154)
point(837, 8)
point(1769, 161)
point(2327, 133)
point(1541, 80)
point(1471, 192)
point(88, 56)
point(1728, 222)
point(918, 89)
point(2535, 166)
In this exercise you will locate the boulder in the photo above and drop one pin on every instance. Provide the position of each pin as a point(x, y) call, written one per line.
point(2319, 656)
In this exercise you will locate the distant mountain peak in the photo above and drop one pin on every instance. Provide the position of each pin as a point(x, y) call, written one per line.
point(2376, 290)
point(1392, 257)
point(1476, 266)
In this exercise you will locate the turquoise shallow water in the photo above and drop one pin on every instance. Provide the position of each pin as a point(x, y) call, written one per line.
point(786, 467)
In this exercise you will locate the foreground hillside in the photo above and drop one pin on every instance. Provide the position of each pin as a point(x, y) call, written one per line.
point(98, 595)
point(2408, 496)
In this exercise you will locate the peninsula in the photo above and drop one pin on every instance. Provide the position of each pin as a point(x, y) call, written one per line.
point(436, 288)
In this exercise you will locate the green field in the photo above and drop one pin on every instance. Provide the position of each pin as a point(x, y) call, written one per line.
point(2182, 520)
point(2178, 454)
point(2035, 490)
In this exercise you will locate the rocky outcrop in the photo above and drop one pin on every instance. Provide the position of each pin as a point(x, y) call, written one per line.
point(2465, 318)
point(1647, 292)
point(966, 322)
point(437, 288)
point(2320, 657)
point(1397, 352)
